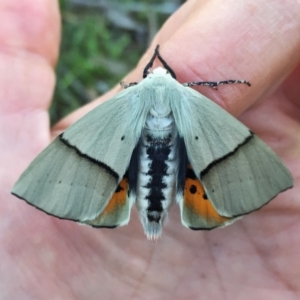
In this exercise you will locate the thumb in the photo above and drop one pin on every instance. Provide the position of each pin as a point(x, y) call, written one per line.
point(29, 32)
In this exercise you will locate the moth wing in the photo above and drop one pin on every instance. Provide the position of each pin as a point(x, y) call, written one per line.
point(238, 171)
point(110, 132)
point(197, 211)
point(208, 131)
point(77, 174)
point(65, 184)
point(117, 210)
point(247, 179)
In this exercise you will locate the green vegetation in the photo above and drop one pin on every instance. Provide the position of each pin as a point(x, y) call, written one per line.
point(101, 42)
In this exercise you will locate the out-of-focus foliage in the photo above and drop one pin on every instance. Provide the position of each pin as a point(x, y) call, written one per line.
point(101, 41)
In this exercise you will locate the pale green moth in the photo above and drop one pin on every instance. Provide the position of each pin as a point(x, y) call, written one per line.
point(155, 142)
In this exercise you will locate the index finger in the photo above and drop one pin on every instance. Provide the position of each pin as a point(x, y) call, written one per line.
point(217, 40)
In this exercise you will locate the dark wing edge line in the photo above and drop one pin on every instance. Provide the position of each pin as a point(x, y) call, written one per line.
point(95, 161)
point(205, 228)
point(98, 227)
point(206, 171)
point(66, 219)
point(215, 162)
point(237, 216)
point(42, 209)
point(230, 221)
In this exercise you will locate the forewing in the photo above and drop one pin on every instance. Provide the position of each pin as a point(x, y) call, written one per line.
point(208, 131)
point(109, 132)
point(238, 171)
point(77, 174)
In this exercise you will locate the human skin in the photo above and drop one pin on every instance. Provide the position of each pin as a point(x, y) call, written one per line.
point(255, 258)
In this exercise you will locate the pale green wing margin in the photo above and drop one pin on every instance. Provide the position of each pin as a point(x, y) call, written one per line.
point(76, 175)
point(238, 171)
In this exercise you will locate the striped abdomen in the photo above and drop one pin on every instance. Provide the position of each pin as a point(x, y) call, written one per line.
point(156, 165)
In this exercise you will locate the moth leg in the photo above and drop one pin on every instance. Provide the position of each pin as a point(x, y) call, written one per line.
point(127, 85)
point(214, 84)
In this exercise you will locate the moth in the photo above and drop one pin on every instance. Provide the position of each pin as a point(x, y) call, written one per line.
point(154, 143)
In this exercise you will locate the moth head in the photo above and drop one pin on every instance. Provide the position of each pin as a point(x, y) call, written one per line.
point(167, 69)
point(160, 71)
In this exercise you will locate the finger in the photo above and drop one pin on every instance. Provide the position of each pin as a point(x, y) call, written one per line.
point(29, 36)
point(237, 39)
point(217, 40)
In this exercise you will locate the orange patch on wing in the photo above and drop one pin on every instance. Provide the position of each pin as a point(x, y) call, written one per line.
point(196, 200)
point(118, 198)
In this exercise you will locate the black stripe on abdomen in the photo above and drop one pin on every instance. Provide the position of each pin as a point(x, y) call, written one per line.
point(158, 152)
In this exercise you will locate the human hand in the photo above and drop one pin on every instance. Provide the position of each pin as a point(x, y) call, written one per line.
point(255, 258)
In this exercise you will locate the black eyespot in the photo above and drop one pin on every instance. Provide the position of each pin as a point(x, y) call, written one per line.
point(123, 137)
point(196, 138)
point(193, 189)
point(119, 189)
point(205, 196)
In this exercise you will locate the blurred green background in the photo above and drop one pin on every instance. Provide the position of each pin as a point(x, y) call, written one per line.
point(102, 40)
